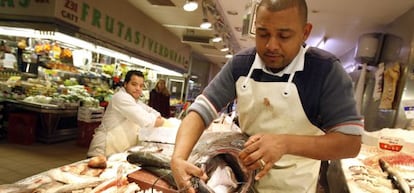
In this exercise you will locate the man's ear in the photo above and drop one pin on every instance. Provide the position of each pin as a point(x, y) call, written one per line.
point(306, 31)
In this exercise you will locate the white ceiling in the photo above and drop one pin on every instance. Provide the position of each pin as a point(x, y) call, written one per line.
point(340, 21)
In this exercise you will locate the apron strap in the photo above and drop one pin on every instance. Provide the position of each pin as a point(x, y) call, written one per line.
point(286, 92)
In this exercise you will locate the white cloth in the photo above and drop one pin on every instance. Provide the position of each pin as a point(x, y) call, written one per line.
point(164, 134)
point(275, 107)
point(360, 87)
point(126, 115)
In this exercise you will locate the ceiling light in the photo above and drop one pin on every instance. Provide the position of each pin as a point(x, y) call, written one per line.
point(228, 55)
point(224, 49)
point(206, 24)
point(190, 5)
point(216, 39)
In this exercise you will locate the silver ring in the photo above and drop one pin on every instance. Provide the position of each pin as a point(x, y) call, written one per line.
point(262, 163)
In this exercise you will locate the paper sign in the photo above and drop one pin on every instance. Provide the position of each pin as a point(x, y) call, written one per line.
point(390, 143)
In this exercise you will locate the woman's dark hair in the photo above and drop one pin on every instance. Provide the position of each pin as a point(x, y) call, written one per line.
point(130, 73)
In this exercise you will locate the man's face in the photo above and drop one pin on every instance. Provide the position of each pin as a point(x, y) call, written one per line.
point(135, 86)
point(279, 36)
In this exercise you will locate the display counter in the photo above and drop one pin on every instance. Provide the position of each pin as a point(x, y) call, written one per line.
point(384, 164)
point(97, 174)
point(53, 123)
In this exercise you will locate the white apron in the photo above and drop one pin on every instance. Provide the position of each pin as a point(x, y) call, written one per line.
point(107, 141)
point(275, 107)
point(122, 137)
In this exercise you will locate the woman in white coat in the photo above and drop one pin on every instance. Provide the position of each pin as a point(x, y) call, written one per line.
point(124, 116)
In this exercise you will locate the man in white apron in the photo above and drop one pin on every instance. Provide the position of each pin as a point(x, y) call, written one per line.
point(124, 116)
point(295, 102)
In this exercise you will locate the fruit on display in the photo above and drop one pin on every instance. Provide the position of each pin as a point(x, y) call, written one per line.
point(38, 99)
point(22, 44)
point(108, 69)
point(42, 47)
point(70, 82)
point(56, 50)
point(66, 53)
point(59, 81)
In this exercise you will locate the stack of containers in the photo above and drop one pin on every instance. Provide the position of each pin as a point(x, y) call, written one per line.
point(89, 118)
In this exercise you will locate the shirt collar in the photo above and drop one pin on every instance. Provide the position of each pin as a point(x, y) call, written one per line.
point(297, 64)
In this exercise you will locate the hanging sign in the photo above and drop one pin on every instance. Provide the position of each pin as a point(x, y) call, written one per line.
point(118, 22)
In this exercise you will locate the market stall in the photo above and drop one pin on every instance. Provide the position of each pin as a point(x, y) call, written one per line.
point(120, 172)
point(69, 74)
point(110, 174)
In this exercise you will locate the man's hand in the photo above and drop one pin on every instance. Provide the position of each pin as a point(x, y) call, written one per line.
point(183, 171)
point(261, 151)
point(159, 121)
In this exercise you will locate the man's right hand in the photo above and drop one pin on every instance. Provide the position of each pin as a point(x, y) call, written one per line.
point(183, 171)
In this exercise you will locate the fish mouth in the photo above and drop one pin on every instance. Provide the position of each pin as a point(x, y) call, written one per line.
point(242, 178)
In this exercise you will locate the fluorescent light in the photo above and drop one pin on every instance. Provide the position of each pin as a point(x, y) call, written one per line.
point(30, 33)
point(106, 51)
point(216, 39)
point(158, 69)
point(224, 49)
point(185, 27)
point(13, 31)
point(206, 24)
point(73, 41)
point(190, 5)
point(228, 55)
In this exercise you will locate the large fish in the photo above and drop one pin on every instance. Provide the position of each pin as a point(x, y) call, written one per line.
point(397, 180)
point(217, 154)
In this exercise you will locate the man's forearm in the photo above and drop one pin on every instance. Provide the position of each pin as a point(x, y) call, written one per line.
point(188, 134)
point(325, 147)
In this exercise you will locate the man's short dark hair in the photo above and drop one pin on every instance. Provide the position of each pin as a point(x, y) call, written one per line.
point(130, 73)
point(278, 5)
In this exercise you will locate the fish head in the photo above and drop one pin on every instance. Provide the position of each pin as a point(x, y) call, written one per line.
point(218, 158)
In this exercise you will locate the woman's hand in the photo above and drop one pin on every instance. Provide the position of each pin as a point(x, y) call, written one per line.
point(183, 171)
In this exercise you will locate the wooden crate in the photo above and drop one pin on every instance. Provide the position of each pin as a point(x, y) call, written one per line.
point(146, 181)
point(22, 128)
point(85, 132)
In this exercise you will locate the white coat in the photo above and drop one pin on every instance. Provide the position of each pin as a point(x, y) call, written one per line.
point(123, 118)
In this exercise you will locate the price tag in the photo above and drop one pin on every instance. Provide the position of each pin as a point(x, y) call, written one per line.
point(390, 143)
